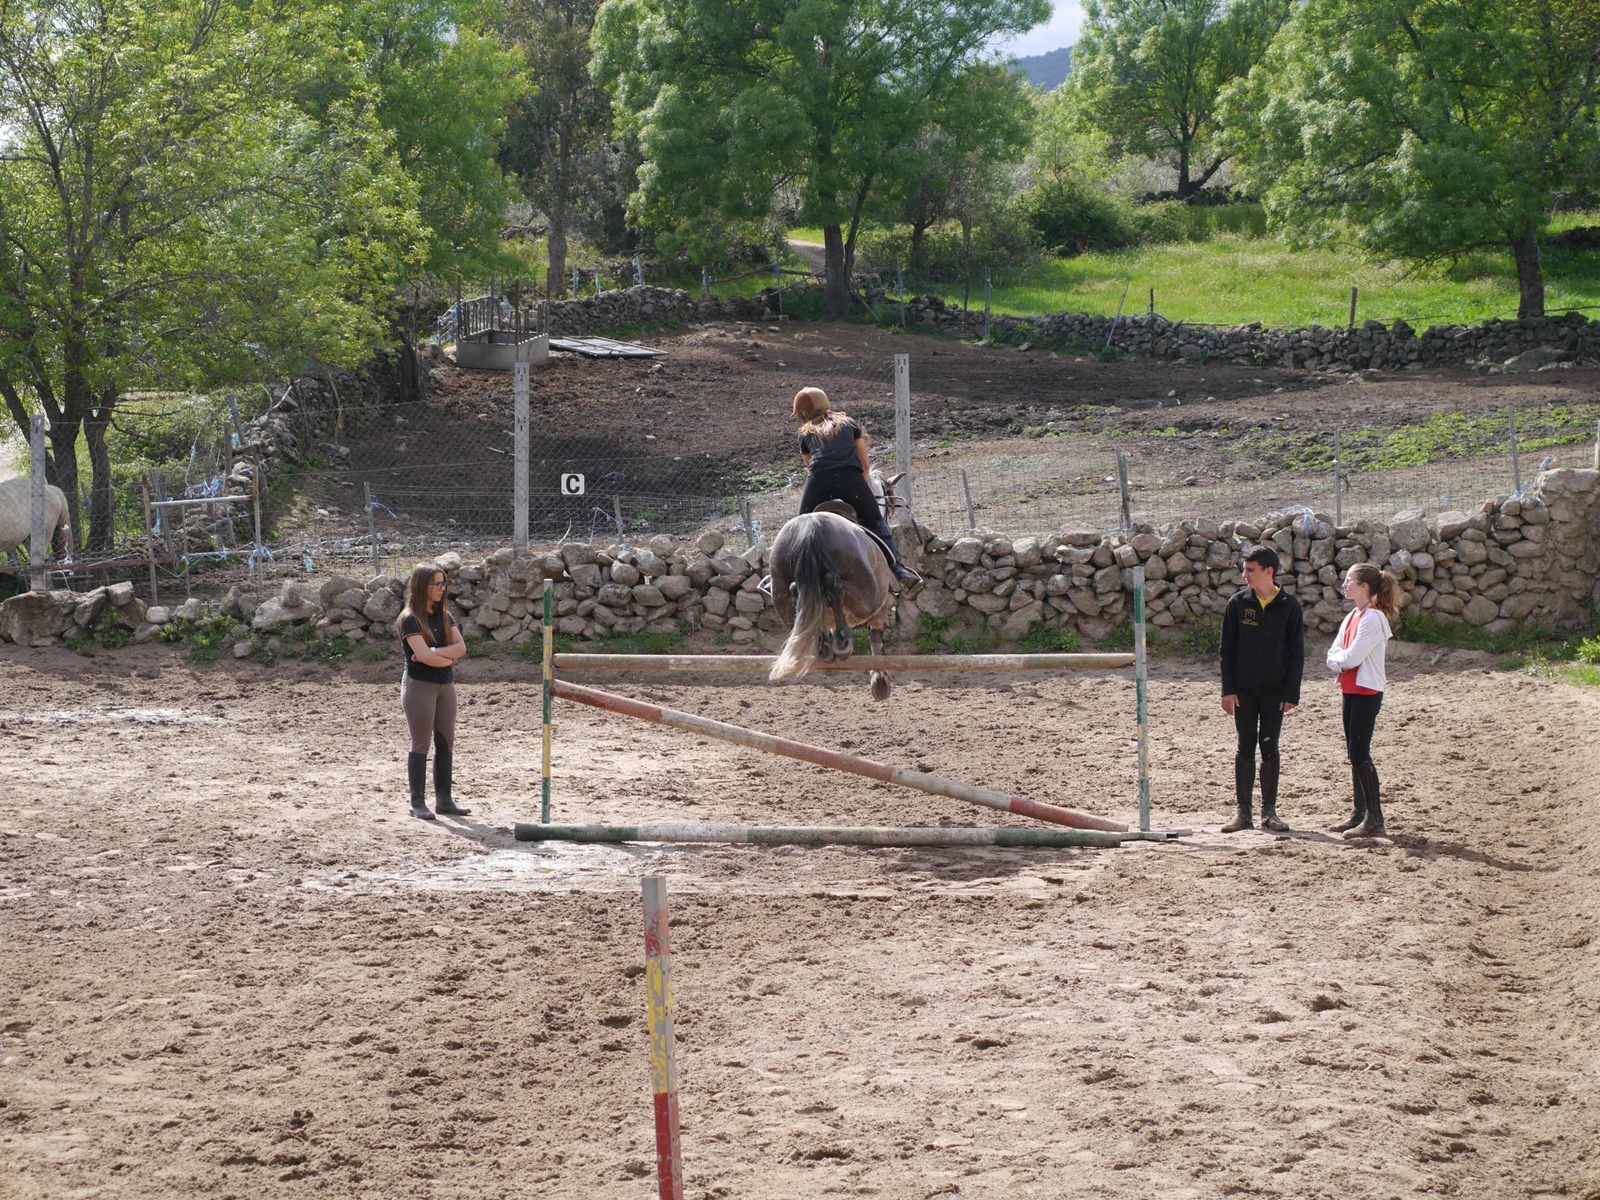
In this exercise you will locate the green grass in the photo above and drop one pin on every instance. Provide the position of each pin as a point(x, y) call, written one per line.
point(1574, 658)
point(1237, 278)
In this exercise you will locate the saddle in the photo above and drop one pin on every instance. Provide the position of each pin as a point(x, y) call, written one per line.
point(839, 508)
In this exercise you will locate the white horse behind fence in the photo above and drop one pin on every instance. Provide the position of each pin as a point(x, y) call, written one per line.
point(16, 517)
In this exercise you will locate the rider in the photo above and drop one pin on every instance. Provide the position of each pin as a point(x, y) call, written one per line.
point(834, 449)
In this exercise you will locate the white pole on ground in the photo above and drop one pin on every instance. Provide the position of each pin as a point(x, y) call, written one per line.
point(38, 551)
point(519, 485)
point(902, 425)
point(966, 497)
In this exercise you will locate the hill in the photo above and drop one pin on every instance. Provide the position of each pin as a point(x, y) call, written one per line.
point(1045, 71)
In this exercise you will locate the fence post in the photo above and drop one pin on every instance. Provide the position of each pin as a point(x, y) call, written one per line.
point(150, 543)
point(255, 490)
point(1516, 460)
point(38, 550)
point(1597, 445)
point(900, 282)
point(1354, 294)
point(616, 509)
point(902, 425)
point(1338, 484)
point(705, 284)
point(663, 1055)
point(749, 521)
point(519, 485)
point(372, 524)
point(1125, 492)
point(966, 494)
point(1141, 673)
point(1152, 302)
point(988, 297)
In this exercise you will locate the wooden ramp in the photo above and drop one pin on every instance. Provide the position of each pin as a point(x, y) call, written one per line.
point(599, 347)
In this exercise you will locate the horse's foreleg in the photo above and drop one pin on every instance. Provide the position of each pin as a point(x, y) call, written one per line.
point(843, 640)
point(881, 685)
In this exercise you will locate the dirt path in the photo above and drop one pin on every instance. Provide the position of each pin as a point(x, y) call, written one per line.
point(235, 967)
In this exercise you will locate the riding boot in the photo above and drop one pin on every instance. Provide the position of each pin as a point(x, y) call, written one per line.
point(417, 775)
point(1372, 825)
point(1244, 782)
point(1269, 797)
point(1358, 814)
point(442, 762)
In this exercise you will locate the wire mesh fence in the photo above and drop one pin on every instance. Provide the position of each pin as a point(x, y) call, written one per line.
point(364, 485)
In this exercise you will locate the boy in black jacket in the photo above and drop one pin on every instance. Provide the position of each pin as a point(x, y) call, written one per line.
point(1263, 655)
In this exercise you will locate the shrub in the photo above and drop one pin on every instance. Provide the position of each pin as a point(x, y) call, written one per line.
point(1072, 216)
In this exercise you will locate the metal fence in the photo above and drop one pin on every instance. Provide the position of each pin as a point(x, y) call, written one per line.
point(383, 486)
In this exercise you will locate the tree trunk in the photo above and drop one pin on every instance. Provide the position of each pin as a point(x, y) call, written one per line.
point(1530, 275)
point(919, 245)
point(102, 519)
point(64, 451)
point(557, 281)
point(1186, 186)
point(836, 283)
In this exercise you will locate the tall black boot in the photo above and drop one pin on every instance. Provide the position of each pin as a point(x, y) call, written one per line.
point(1372, 824)
point(1358, 814)
point(1244, 783)
point(442, 762)
point(1269, 796)
point(417, 775)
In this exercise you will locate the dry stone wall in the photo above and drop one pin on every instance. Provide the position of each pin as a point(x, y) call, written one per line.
point(1527, 561)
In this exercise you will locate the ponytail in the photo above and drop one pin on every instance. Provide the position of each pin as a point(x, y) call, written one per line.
point(1385, 589)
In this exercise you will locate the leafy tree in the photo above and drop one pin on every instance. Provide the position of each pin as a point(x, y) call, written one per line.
point(173, 214)
point(829, 98)
point(1429, 127)
point(1149, 73)
point(558, 141)
point(445, 87)
point(982, 123)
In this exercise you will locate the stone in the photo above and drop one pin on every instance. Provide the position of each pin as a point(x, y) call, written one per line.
point(1409, 530)
point(1085, 602)
point(587, 575)
point(674, 587)
point(36, 616)
point(651, 563)
point(1451, 524)
point(160, 614)
point(88, 609)
point(966, 551)
point(710, 542)
point(576, 554)
point(1524, 549)
point(274, 615)
point(1471, 553)
point(1028, 552)
point(119, 594)
point(718, 602)
point(648, 596)
point(937, 602)
point(1479, 611)
point(380, 606)
point(572, 626)
point(749, 602)
point(242, 649)
point(625, 573)
point(989, 604)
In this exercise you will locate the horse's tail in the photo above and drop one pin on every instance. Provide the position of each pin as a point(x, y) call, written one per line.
point(814, 581)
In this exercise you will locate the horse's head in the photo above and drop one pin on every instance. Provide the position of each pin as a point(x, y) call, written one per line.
point(883, 491)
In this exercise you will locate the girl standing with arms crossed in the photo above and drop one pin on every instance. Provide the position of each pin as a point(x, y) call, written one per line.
point(433, 645)
point(1358, 655)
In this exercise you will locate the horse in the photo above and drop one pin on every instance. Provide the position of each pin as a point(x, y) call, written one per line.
point(16, 518)
point(826, 567)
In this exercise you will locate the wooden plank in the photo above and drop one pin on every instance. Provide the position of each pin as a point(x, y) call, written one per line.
point(973, 664)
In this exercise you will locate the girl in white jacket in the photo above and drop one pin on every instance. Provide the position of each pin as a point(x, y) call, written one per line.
point(1357, 654)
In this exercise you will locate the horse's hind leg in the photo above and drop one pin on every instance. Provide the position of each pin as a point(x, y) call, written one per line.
point(843, 641)
point(881, 685)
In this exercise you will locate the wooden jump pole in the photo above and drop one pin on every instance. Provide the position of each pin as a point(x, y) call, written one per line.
point(761, 663)
point(883, 772)
point(830, 835)
point(548, 660)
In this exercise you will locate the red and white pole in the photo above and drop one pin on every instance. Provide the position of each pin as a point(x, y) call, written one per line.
point(663, 1060)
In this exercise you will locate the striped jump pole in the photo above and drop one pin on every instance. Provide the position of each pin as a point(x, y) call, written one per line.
point(832, 759)
point(689, 832)
point(975, 664)
point(663, 1054)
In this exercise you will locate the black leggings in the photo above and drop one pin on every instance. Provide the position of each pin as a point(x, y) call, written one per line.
point(850, 485)
point(1360, 718)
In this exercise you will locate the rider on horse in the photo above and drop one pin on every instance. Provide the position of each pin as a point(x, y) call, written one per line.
point(834, 449)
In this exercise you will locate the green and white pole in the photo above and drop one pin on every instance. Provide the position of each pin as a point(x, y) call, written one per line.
point(711, 833)
point(549, 690)
point(1141, 679)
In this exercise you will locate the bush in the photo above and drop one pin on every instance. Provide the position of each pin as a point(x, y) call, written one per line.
point(1169, 221)
point(1072, 216)
point(1007, 242)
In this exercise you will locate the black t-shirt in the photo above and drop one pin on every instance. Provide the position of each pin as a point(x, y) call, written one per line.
point(435, 636)
point(835, 452)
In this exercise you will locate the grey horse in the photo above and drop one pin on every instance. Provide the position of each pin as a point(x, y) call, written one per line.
point(829, 576)
point(16, 517)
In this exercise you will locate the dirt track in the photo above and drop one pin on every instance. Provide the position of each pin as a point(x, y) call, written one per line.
point(234, 967)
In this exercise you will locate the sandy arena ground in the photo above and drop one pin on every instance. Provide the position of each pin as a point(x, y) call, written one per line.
point(234, 966)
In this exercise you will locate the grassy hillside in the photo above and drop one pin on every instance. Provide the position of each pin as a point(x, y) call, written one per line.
point(1239, 277)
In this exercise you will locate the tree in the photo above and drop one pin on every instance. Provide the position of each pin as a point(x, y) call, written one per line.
point(1428, 127)
point(445, 88)
point(557, 143)
point(982, 122)
point(1148, 73)
point(172, 214)
point(828, 98)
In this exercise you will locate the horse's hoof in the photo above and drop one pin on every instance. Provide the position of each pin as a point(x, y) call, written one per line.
point(825, 650)
point(880, 686)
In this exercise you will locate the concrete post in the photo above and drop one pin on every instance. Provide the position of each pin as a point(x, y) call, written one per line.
point(902, 425)
point(38, 547)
